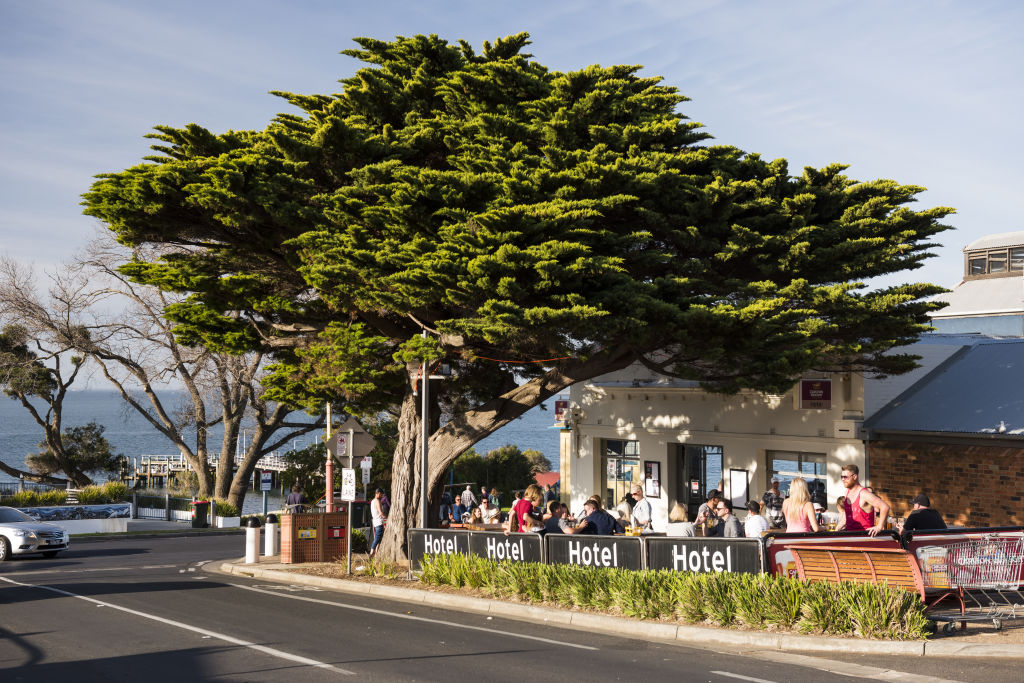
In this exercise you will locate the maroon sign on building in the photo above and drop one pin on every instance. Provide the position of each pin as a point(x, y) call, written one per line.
point(816, 393)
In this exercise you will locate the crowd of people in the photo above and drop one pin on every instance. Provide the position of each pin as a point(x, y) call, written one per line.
point(802, 509)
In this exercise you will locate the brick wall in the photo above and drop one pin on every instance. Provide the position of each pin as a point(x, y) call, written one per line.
point(969, 485)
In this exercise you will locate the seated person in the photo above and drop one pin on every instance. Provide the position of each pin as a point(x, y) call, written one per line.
point(554, 522)
point(489, 513)
point(922, 516)
point(840, 513)
point(755, 524)
point(475, 516)
point(456, 513)
point(597, 521)
point(677, 524)
point(728, 524)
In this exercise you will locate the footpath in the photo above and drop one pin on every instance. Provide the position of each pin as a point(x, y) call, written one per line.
point(969, 643)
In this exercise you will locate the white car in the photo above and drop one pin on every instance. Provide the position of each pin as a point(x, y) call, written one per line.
point(22, 535)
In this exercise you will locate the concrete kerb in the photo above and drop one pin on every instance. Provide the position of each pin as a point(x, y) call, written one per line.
point(622, 626)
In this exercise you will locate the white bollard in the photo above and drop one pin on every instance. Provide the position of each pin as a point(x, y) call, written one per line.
point(252, 541)
point(272, 544)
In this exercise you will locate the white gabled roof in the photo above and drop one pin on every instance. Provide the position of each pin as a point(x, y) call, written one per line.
point(992, 296)
point(1002, 239)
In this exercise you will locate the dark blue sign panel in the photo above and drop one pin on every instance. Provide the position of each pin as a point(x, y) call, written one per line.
point(436, 542)
point(705, 555)
point(595, 551)
point(495, 545)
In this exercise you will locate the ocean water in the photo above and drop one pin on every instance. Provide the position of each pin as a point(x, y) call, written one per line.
point(132, 435)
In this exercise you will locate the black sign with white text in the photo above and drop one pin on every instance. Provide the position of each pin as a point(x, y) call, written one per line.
point(436, 542)
point(705, 555)
point(595, 551)
point(495, 545)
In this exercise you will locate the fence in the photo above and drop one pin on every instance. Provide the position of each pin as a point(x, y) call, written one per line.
point(164, 507)
point(9, 488)
point(768, 554)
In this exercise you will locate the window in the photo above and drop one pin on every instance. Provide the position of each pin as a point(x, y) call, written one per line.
point(995, 262)
point(1017, 258)
point(977, 265)
point(787, 465)
point(620, 463)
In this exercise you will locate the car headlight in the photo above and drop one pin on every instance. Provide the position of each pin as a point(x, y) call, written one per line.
point(25, 534)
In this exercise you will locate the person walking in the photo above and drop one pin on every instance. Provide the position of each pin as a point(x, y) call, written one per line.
point(295, 499)
point(798, 509)
point(378, 519)
point(468, 499)
point(861, 506)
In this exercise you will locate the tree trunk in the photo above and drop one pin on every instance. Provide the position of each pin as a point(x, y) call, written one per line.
point(448, 443)
point(404, 483)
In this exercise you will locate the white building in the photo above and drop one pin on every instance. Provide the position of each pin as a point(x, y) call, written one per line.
point(681, 441)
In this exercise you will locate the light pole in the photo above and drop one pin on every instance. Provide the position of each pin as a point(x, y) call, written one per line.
point(425, 378)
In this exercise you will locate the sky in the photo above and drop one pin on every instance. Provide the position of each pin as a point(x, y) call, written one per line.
point(927, 93)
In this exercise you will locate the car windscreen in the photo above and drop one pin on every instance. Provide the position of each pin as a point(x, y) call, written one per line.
point(12, 515)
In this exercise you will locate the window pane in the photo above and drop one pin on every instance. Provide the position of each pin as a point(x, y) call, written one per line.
point(997, 262)
point(976, 266)
point(713, 465)
point(1017, 258)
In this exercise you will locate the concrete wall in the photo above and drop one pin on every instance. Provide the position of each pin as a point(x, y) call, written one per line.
point(970, 485)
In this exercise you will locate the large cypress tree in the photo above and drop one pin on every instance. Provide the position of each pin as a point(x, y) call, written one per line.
point(542, 227)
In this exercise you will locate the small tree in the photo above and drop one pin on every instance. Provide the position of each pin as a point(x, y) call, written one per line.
point(84, 445)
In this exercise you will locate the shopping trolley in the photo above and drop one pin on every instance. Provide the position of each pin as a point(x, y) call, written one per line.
point(985, 574)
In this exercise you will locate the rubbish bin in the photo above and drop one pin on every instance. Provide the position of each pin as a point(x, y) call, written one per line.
point(200, 514)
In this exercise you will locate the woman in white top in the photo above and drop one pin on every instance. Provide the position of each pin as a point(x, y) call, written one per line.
point(377, 513)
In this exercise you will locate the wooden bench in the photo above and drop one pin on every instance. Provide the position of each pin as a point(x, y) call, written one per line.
point(894, 566)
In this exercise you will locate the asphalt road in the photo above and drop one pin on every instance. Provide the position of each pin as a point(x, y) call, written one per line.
point(144, 609)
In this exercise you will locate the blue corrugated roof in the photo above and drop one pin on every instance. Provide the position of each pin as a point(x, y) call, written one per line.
point(980, 389)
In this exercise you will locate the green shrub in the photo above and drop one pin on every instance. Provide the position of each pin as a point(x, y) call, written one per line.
point(749, 591)
point(222, 508)
point(359, 542)
point(117, 492)
point(755, 600)
point(783, 597)
point(688, 596)
point(822, 612)
point(51, 497)
point(92, 495)
point(719, 601)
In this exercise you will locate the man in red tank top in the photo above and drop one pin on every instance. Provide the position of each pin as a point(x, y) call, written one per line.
point(861, 505)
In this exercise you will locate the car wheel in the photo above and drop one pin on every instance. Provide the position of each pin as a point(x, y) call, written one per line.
point(5, 549)
point(51, 553)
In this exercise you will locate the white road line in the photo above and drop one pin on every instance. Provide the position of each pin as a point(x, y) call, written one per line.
point(742, 678)
point(93, 569)
point(413, 618)
point(195, 629)
point(845, 668)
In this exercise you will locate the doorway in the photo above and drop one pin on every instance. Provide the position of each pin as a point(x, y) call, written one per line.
point(698, 470)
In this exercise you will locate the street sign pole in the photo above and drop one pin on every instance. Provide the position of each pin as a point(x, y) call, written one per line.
point(424, 434)
point(329, 467)
point(348, 493)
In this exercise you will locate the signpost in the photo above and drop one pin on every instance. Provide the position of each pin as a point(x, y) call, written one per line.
point(266, 480)
point(348, 494)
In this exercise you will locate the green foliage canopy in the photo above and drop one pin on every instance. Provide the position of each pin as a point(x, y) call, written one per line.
point(520, 214)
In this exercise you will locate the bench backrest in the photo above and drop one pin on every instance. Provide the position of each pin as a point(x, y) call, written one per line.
point(894, 566)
